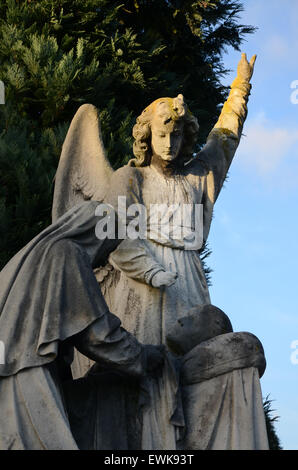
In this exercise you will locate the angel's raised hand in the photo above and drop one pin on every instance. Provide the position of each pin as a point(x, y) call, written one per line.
point(245, 69)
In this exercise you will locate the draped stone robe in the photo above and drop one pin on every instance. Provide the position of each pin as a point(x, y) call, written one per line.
point(49, 297)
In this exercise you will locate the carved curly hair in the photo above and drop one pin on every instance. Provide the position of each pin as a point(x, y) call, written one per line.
point(142, 131)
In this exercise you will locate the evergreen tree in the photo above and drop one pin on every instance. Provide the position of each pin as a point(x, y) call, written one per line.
point(274, 442)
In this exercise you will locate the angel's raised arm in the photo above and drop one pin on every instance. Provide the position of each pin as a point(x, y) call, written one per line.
point(84, 171)
point(223, 140)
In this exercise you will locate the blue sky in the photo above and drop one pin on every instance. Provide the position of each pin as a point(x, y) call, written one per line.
point(254, 231)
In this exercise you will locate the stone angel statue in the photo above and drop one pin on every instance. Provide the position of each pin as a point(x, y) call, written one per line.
point(164, 173)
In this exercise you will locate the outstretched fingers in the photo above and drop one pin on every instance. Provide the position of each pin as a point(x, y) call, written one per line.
point(252, 60)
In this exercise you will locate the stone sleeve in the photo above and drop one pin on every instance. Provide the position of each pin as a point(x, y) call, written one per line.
point(135, 260)
point(107, 343)
point(224, 138)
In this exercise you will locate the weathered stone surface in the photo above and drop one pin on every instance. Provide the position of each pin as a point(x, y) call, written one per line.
point(201, 323)
point(221, 392)
point(50, 302)
point(104, 411)
point(225, 413)
point(221, 355)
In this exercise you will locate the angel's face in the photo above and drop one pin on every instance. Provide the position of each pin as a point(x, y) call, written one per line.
point(166, 134)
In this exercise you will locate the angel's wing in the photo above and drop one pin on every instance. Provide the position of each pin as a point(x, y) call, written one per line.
point(84, 171)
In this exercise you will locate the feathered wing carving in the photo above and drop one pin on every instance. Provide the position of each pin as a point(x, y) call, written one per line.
point(84, 171)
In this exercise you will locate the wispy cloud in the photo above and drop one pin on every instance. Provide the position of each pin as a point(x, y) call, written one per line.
point(265, 145)
point(278, 47)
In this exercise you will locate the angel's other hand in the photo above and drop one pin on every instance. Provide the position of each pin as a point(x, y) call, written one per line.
point(164, 278)
point(245, 69)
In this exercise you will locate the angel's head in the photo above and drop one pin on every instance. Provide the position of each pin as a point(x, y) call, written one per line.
point(165, 128)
